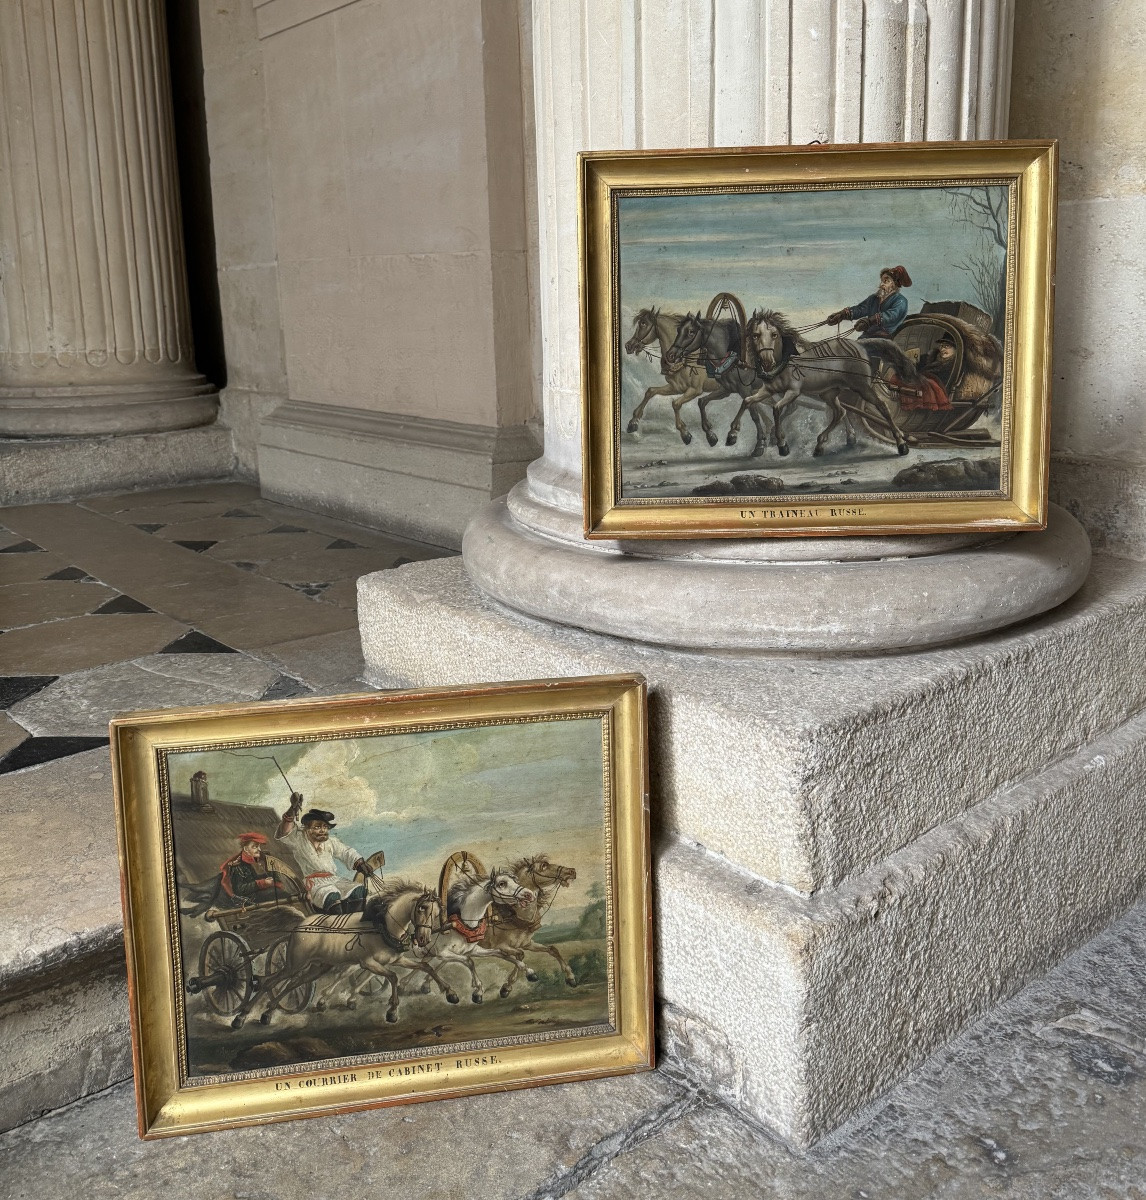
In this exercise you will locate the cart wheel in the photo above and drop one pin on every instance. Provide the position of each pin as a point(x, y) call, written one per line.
point(228, 981)
point(294, 999)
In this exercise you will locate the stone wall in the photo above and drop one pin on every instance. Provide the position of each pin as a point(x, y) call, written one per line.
point(1078, 76)
point(369, 178)
point(234, 90)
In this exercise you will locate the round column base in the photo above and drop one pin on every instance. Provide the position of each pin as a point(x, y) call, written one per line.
point(815, 595)
point(90, 410)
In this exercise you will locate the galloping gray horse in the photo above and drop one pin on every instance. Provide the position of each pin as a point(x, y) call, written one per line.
point(823, 371)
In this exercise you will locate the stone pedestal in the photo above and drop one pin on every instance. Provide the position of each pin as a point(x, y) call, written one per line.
point(95, 335)
point(855, 856)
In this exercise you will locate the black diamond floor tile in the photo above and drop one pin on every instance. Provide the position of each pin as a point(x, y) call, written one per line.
point(35, 750)
point(194, 642)
point(289, 529)
point(121, 604)
point(198, 547)
point(343, 544)
point(149, 528)
point(14, 688)
point(75, 573)
point(246, 566)
point(24, 547)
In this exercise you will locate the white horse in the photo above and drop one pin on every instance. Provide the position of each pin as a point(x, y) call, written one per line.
point(401, 918)
point(466, 924)
point(685, 379)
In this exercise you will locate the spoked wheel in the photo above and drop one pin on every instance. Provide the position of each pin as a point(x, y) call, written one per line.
point(225, 974)
point(296, 998)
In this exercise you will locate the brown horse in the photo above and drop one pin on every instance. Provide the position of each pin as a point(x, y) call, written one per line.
point(685, 379)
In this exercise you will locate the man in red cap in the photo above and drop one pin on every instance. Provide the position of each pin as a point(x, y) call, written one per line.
point(883, 312)
point(245, 877)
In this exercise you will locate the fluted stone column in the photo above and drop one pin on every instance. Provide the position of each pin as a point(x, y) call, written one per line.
point(95, 334)
point(627, 75)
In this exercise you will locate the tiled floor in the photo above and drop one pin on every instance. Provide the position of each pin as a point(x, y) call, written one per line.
point(143, 600)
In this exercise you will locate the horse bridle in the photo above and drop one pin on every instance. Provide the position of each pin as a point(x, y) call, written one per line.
point(514, 899)
point(405, 940)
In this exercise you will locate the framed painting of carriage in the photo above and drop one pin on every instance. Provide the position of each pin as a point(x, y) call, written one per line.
point(820, 341)
point(373, 899)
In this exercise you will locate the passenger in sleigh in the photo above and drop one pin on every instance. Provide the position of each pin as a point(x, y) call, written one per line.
point(935, 369)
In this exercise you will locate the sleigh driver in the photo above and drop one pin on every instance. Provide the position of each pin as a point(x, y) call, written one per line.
point(318, 852)
point(884, 311)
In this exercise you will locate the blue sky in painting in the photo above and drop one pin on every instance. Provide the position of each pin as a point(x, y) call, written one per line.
point(805, 253)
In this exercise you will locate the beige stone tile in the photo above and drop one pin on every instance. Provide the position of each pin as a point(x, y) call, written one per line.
point(344, 593)
point(267, 547)
point(307, 156)
point(237, 607)
point(295, 616)
point(81, 705)
point(320, 523)
point(322, 661)
point(414, 127)
point(23, 568)
point(231, 494)
point(48, 600)
point(332, 312)
point(214, 529)
point(326, 566)
point(11, 734)
point(171, 514)
point(249, 299)
point(78, 643)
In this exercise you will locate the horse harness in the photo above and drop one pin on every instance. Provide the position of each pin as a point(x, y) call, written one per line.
point(476, 933)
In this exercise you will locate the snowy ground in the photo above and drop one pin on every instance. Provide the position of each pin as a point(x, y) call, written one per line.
point(656, 463)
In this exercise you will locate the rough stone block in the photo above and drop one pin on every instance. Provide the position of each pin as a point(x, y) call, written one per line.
point(802, 770)
point(63, 994)
point(807, 1009)
point(33, 472)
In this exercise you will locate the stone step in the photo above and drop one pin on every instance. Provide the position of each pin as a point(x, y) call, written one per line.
point(802, 1010)
point(1044, 1093)
point(64, 1028)
point(803, 770)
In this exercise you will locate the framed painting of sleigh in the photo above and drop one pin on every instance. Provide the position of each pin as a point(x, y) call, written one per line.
point(362, 900)
point(831, 340)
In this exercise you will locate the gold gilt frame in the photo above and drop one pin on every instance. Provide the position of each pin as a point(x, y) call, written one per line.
point(169, 1103)
point(1028, 169)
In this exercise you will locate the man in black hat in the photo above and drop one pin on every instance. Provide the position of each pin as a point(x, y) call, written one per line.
point(317, 852)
